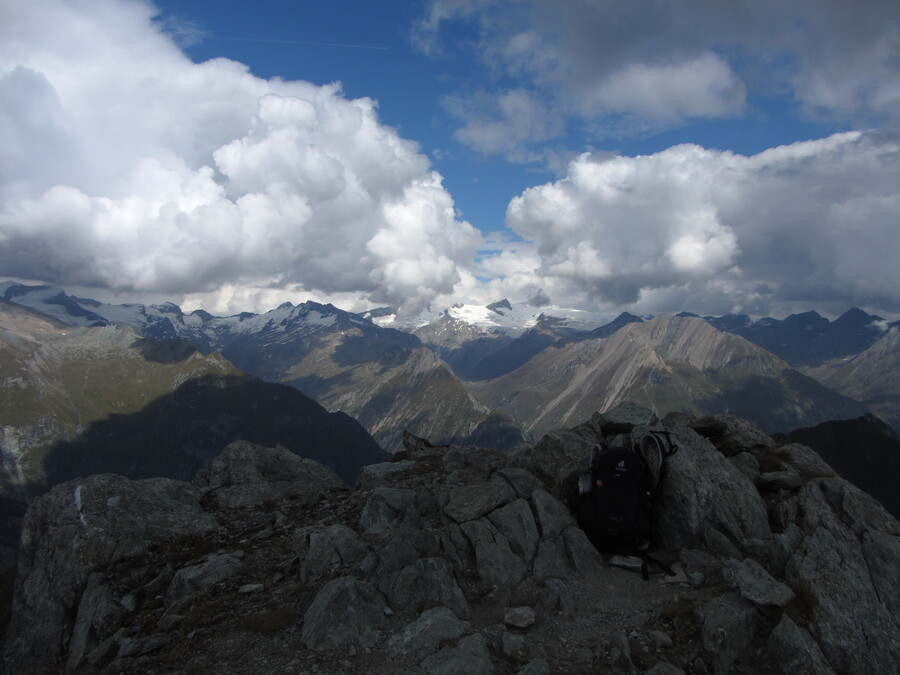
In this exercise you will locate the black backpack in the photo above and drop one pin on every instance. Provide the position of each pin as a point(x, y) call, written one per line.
point(616, 496)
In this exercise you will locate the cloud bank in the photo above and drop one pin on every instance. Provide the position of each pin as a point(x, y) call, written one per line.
point(126, 166)
point(812, 224)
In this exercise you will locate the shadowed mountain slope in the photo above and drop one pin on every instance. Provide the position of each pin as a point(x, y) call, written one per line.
point(806, 339)
point(176, 434)
point(76, 401)
point(107, 390)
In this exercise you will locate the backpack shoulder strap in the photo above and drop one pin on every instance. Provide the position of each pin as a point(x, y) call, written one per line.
point(656, 446)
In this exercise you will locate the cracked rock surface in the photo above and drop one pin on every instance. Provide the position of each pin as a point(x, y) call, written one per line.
point(458, 560)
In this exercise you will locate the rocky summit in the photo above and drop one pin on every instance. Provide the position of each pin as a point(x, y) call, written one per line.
point(456, 559)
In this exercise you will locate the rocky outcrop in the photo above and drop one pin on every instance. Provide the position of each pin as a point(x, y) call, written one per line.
point(68, 537)
point(245, 474)
point(845, 565)
point(459, 559)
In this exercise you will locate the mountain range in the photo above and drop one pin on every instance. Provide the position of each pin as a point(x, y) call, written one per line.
point(383, 377)
point(504, 373)
point(670, 364)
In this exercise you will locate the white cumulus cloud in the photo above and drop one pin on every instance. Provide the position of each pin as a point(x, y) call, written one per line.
point(126, 166)
point(808, 224)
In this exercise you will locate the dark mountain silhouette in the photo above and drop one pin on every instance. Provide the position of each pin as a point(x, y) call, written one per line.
point(864, 450)
point(806, 339)
point(175, 435)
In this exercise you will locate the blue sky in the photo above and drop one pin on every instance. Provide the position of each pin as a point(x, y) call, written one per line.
point(370, 48)
point(642, 156)
point(367, 47)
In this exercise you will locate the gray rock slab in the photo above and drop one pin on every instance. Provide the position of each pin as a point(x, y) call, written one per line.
point(345, 612)
point(386, 508)
point(522, 481)
point(582, 554)
point(470, 655)
point(80, 527)
point(551, 561)
point(470, 502)
point(791, 650)
point(244, 474)
point(728, 627)
point(374, 475)
point(427, 633)
point(429, 582)
point(98, 614)
point(552, 515)
point(516, 522)
point(747, 463)
point(733, 435)
point(709, 503)
point(325, 552)
point(558, 453)
point(807, 462)
point(845, 569)
point(755, 584)
point(495, 561)
point(624, 417)
point(196, 578)
point(779, 480)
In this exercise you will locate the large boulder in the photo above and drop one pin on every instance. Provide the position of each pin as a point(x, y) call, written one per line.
point(707, 502)
point(346, 612)
point(733, 435)
point(474, 501)
point(470, 655)
point(790, 650)
point(562, 454)
point(428, 582)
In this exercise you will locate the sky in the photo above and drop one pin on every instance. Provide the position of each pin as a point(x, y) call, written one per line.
point(647, 156)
